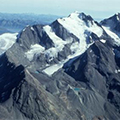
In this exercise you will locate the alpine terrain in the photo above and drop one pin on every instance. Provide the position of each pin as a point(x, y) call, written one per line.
point(68, 70)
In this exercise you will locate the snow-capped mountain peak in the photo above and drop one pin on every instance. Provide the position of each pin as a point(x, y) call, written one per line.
point(77, 25)
point(66, 37)
point(118, 16)
point(112, 27)
point(80, 15)
point(112, 21)
point(76, 13)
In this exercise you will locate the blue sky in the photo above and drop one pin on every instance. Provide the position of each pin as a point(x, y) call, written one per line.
point(96, 8)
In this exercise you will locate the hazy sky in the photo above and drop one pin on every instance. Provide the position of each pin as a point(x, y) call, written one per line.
point(96, 8)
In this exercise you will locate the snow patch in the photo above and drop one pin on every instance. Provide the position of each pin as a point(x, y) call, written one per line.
point(117, 71)
point(112, 35)
point(34, 49)
point(117, 17)
point(51, 53)
point(52, 69)
point(113, 51)
point(90, 51)
point(58, 42)
point(103, 41)
point(6, 41)
point(32, 28)
point(24, 29)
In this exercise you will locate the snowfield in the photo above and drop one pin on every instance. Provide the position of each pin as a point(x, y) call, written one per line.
point(6, 41)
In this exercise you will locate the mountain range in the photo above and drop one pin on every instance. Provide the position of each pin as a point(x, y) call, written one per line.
point(67, 70)
point(10, 22)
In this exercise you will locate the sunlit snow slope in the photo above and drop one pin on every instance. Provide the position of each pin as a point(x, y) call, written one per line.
point(6, 41)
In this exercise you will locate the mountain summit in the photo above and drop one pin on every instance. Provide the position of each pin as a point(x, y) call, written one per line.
point(63, 39)
point(68, 70)
point(113, 23)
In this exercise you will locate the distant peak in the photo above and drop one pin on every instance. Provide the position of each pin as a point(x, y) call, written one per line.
point(117, 15)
